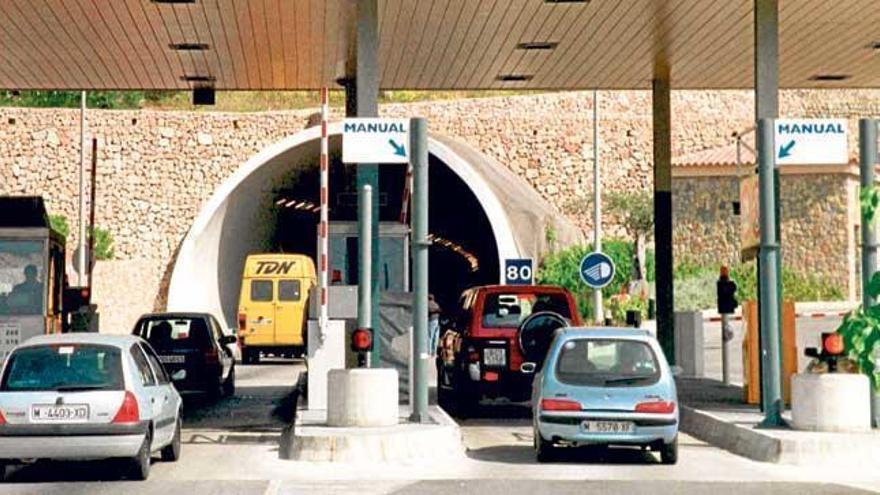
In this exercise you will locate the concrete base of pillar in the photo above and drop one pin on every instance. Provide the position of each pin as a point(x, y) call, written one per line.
point(835, 402)
point(365, 397)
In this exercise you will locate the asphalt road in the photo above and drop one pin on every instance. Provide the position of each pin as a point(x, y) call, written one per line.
point(231, 446)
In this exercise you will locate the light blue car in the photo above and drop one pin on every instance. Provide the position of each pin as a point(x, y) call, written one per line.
point(605, 386)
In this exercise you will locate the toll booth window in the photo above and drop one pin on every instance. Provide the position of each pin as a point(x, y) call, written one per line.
point(261, 290)
point(288, 290)
point(22, 277)
point(509, 310)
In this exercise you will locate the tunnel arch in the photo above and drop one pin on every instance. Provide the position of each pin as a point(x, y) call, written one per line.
point(204, 277)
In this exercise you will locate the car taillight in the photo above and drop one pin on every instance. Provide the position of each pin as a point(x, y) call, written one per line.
point(212, 356)
point(560, 405)
point(129, 412)
point(656, 407)
point(2, 419)
point(242, 321)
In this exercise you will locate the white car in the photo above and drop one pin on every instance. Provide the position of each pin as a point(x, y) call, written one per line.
point(88, 396)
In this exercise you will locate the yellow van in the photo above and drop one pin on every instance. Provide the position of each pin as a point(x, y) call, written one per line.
point(273, 306)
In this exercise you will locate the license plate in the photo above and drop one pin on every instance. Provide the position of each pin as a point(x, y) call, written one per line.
point(172, 359)
point(494, 356)
point(608, 426)
point(68, 413)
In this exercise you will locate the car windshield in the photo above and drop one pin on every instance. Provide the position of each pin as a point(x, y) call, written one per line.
point(509, 310)
point(607, 362)
point(63, 367)
point(168, 334)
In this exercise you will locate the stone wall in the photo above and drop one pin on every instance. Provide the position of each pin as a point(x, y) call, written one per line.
point(156, 169)
point(818, 213)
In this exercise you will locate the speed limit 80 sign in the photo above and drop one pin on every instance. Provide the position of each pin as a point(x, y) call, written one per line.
point(518, 272)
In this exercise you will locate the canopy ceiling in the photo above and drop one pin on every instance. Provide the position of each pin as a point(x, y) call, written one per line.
point(436, 44)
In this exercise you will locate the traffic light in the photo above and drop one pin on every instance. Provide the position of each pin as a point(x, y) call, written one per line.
point(726, 293)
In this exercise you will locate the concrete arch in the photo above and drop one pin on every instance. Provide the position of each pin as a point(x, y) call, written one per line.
point(197, 284)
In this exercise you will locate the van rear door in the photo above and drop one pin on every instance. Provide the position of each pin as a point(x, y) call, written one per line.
point(289, 311)
point(259, 308)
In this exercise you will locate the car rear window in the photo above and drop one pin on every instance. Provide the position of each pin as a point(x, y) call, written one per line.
point(175, 333)
point(607, 363)
point(509, 310)
point(64, 367)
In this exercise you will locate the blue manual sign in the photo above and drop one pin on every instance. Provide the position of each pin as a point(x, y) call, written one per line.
point(518, 272)
point(597, 270)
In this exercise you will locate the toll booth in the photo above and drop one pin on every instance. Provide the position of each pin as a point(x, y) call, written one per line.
point(31, 272)
point(393, 251)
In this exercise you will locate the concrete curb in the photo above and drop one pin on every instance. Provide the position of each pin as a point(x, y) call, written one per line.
point(782, 446)
point(400, 443)
point(729, 436)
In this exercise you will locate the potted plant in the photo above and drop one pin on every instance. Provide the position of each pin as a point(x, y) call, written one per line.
point(860, 331)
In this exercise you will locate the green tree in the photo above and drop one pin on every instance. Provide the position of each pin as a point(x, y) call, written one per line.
point(71, 99)
point(635, 212)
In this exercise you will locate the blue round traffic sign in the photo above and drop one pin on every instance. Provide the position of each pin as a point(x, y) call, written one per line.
point(597, 270)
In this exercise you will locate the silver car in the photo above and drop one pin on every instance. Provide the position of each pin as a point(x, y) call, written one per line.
point(88, 396)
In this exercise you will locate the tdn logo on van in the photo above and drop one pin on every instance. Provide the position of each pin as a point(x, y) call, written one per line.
point(375, 140)
point(274, 267)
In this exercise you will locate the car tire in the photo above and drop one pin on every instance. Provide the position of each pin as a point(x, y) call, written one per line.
point(229, 384)
point(669, 452)
point(545, 451)
point(139, 465)
point(250, 356)
point(3, 468)
point(171, 452)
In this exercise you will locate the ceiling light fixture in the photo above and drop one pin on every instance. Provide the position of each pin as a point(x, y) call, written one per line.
point(830, 77)
point(537, 45)
point(514, 77)
point(566, 1)
point(173, 1)
point(198, 79)
point(188, 46)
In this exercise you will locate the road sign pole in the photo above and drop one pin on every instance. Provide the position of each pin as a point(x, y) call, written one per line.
point(419, 159)
point(867, 161)
point(598, 316)
point(769, 277)
point(81, 242)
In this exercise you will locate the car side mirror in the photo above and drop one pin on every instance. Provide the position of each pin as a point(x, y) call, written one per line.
point(676, 370)
point(528, 367)
point(179, 375)
point(228, 339)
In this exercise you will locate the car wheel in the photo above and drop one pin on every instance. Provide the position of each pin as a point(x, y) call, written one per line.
point(250, 356)
point(139, 465)
point(171, 453)
point(545, 451)
point(3, 466)
point(229, 384)
point(669, 452)
point(442, 391)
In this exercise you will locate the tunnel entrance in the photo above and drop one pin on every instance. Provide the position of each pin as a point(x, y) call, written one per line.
point(464, 252)
point(271, 205)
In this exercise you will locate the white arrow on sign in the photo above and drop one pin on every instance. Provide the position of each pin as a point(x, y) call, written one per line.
point(811, 142)
point(375, 140)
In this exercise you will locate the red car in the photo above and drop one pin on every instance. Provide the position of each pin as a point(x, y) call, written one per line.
point(492, 333)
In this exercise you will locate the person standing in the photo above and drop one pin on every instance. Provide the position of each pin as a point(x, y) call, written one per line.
point(434, 311)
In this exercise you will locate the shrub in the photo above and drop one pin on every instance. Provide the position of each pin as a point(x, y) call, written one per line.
point(58, 223)
point(103, 244)
point(562, 268)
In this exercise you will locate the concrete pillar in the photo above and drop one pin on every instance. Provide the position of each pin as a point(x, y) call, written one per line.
point(366, 102)
point(663, 213)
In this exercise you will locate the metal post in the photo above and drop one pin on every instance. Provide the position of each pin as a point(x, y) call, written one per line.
point(769, 277)
point(93, 199)
point(663, 266)
point(726, 340)
point(367, 102)
point(867, 161)
point(81, 243)
point(419, 148)
point(365, 264)
point(598, 316)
